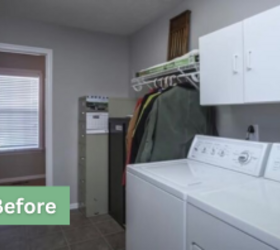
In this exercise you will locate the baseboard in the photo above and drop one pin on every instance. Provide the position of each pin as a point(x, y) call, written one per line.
point(23, 178)
point(74, 206)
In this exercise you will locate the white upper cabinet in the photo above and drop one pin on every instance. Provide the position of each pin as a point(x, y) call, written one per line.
point(262, 53)
point(241, 63)
point(221, 66)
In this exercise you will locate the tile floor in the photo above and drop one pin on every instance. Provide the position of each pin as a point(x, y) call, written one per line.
point(95, 233)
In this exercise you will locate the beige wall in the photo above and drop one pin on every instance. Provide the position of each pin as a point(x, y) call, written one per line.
point(30, 163)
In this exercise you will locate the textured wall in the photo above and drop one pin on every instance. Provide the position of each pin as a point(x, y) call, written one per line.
point(149, 47)
point(84, 63)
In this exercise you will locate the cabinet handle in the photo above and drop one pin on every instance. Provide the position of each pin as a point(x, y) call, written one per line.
point(235, 59)
point(249, 60)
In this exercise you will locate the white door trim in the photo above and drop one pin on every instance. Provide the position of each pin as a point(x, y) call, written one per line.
point(48, 53)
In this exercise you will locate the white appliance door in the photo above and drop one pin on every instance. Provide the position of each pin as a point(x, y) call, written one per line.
point(155, 219)
point(206, 232)
point(221, 66)
point(262, 57)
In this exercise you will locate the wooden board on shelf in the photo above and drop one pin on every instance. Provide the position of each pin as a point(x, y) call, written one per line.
point(179, 34)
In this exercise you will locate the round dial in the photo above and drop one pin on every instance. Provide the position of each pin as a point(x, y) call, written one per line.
point(244, 158)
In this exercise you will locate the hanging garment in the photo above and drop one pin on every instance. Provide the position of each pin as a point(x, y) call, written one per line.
point(129, 136)
point(145, 110)
point(143, 101)
point(131, 127)
point(133, 124)
point(140, 126)
point(176, 117)
point(139, 112)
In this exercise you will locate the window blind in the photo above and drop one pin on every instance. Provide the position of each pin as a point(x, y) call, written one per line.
point(19, 113)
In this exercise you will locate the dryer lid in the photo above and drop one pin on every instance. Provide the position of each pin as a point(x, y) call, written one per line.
point(253, 207)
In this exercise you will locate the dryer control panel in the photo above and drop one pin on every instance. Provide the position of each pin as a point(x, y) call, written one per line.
point(273, 165)
point(239, 155)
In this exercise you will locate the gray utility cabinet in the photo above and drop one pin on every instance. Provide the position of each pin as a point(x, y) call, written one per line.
point(92, 165)
point(93, 185)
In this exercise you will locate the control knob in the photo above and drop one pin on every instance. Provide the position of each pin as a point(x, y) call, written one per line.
point(244, 158)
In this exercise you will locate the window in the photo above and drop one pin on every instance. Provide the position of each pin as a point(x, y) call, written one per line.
point(19, 112)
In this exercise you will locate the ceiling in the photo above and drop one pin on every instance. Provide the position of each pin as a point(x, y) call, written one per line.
point(122, 17)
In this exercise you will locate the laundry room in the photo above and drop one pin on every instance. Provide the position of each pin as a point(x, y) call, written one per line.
point(161, 117)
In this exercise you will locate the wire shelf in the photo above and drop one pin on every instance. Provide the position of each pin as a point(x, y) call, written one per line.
point(190, 73)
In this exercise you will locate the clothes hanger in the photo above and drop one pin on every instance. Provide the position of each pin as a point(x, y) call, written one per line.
point(149, 86)
point(173, 77)
point(155, 83)
point(192, 81)
point(166, 82)
point(161, 82)
point(190, 78)
point(139, 87)
point(178, 79)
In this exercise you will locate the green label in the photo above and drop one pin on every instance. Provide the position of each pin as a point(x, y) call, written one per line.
point(34, 205)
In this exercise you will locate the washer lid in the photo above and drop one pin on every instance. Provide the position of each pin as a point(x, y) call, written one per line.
point(181, 177)
point(178, 173)
point(253, 208)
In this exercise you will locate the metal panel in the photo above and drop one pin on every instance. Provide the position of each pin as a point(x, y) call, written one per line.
point(120, 107)
point(97, 174)
point(82, 116)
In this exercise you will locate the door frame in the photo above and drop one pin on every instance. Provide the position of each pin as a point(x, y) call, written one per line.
point(48, 54)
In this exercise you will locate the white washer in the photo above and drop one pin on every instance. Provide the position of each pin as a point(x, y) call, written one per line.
point(157, 193)
point(246, 217)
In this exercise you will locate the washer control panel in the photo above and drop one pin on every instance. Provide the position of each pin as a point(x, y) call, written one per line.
point(273, 165)
point(243, 156)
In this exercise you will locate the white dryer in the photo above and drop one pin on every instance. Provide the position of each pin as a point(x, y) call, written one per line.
point(157, 193)
point(246, 217)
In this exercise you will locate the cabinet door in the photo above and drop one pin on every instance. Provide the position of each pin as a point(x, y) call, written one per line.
point(262, 57)
point(221, 66)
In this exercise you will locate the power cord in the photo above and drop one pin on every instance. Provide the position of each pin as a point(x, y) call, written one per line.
point(250, 131)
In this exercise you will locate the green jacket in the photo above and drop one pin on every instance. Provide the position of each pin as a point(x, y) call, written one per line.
point(176, 117)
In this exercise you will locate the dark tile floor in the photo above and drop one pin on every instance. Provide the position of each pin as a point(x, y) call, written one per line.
point(96, 233)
